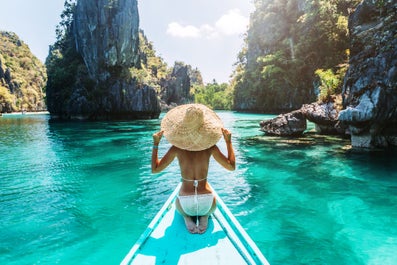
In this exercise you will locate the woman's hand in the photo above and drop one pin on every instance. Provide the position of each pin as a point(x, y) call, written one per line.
point(227, 135)
point(157, 137)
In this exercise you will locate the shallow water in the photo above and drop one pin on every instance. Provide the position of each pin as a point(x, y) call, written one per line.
point(82, 193)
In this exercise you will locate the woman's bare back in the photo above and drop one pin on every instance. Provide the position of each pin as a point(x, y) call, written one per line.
point(194, 166)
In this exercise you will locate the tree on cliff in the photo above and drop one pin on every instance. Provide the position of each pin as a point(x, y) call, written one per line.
point(22, 76)
point(288, 40)
point(63, 61)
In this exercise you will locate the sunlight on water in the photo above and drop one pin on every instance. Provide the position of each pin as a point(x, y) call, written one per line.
point(82, 193)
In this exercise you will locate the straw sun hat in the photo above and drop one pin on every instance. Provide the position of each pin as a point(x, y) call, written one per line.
point(192, 127)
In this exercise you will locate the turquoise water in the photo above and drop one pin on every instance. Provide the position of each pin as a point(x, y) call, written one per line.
point(82, 193)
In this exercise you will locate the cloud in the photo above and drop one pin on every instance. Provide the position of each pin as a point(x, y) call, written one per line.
point(208, 32)
point(180, 31)
point(177, 30)
point(231, 23)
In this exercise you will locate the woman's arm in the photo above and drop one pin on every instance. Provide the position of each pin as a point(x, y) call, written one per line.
point(159, 165)
point(228, 162)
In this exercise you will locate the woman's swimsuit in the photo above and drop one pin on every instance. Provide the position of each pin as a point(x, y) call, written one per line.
point(197, 204)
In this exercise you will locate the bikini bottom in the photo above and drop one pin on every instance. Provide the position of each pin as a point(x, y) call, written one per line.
point(196, 205)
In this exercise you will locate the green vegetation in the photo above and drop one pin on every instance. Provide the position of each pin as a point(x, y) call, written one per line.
point(330, 82)
point(22, 76)
point(288, 40)
point(153, 68)
point(64, 64)
point(217, 96)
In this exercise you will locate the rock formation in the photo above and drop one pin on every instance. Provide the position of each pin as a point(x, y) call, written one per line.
point(102, 82)
point(176, 87)
point(369, 94)
point(290, 124)
point(370, 85)
point(323, 115)
point(106, 34)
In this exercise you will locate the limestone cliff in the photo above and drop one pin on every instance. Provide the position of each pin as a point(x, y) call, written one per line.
point(176, 88)
point(22, 76)
point(370, 85)
point(93, 71)
point(106, 34)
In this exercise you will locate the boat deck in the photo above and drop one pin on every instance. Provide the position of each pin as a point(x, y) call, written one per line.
point(167, 241)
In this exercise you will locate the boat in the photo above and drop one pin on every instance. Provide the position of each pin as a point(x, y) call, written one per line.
point(167, 241)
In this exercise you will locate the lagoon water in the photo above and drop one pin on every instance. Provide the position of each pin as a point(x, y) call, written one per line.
point(82, 192)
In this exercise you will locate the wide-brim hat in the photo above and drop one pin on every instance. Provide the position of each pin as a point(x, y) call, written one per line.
point(192, 127)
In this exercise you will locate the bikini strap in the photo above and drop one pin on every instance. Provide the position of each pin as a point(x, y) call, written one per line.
point(193, 179)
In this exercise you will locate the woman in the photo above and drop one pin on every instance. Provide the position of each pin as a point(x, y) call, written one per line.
point(193, 130)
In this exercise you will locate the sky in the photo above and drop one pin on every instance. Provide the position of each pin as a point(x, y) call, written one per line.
point(206, 34)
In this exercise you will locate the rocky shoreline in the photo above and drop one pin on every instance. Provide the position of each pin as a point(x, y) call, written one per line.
point(369, 96)
point(323, 115)
point(25, 113)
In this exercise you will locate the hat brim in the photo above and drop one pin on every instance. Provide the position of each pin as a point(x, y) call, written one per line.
point(190, 135)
